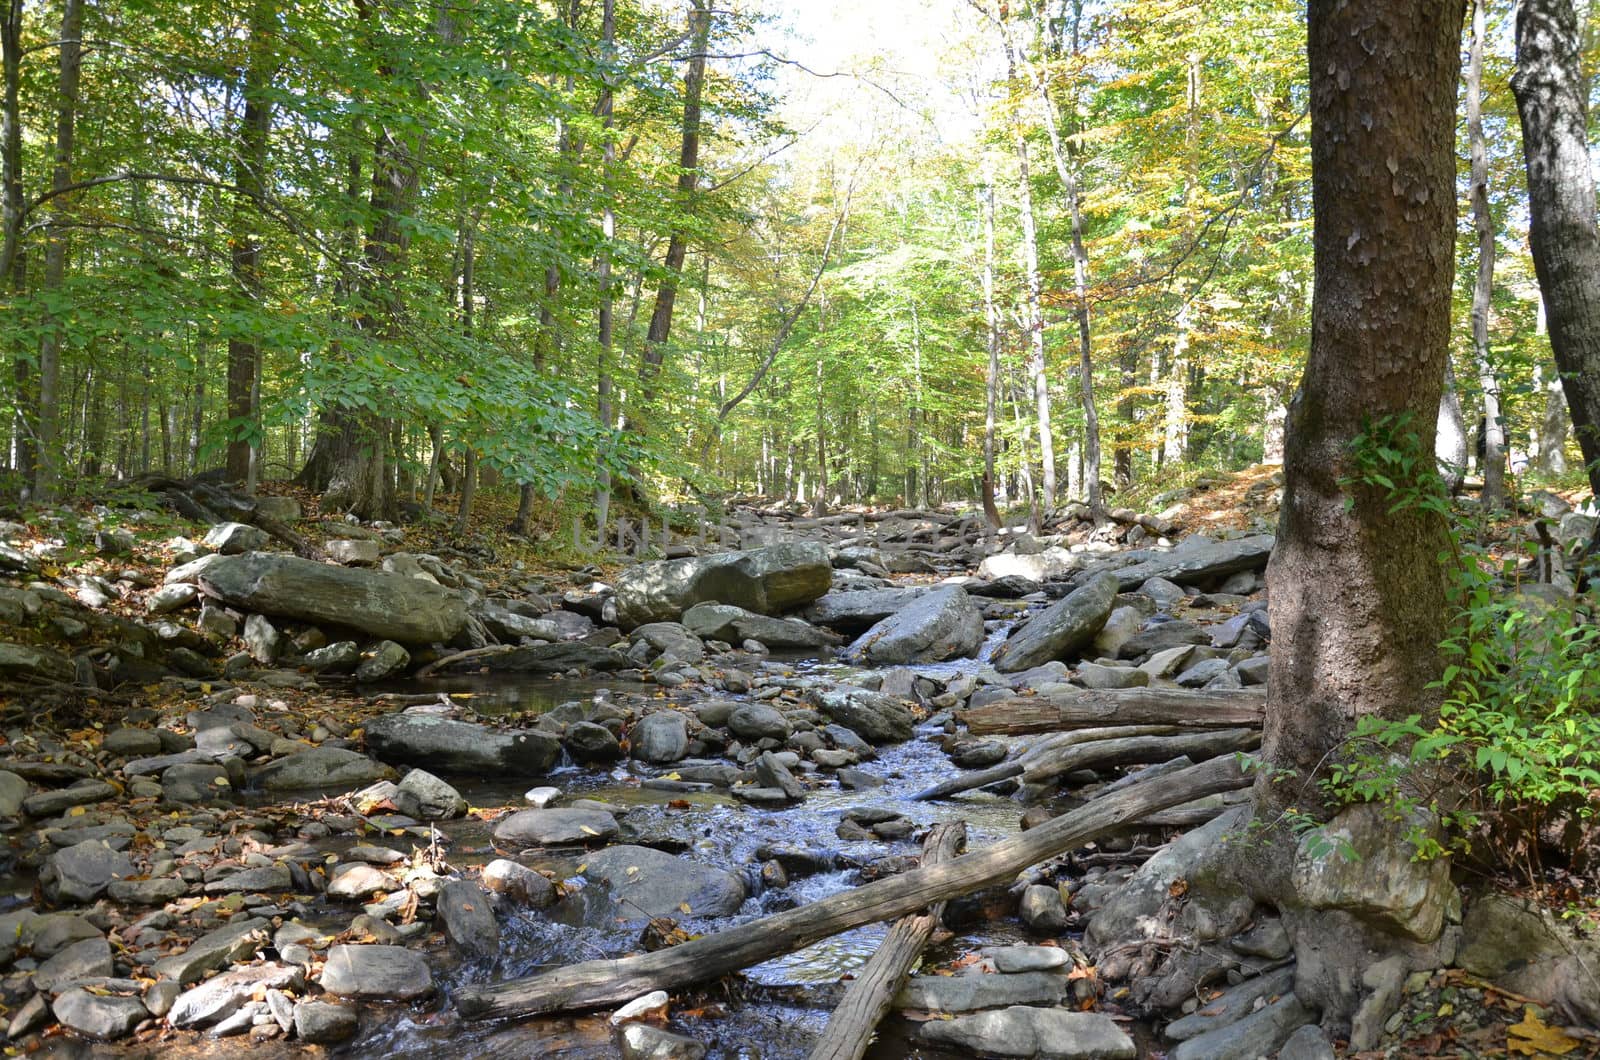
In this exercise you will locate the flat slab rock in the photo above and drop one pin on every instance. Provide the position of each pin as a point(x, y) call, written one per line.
point(449, 746)
point(383, 605)
point(558, 827)
point(646, 883)
point(974, 991)
point(379, 972)
point(1025, 1032)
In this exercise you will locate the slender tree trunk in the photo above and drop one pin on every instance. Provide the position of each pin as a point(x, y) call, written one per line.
point(991, 388)
point(469, 478)
point(48, 412)
point(688, 175)
point(1494, 431)
point(250, 169)
point(1450, 437)
point(608, 232)
point(24, 430)
point(1551, 99)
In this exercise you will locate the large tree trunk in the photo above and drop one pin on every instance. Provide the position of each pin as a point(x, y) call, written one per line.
point(1551, 100)
point(1358, 604)
point(48, 413)
point(250, 168)
point(1494, 428)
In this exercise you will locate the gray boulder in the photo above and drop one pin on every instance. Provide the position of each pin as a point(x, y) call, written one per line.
point(324, 1023)
point(943, 624)
point(1060, 630)
point(93, 1016)
point(460, 747)
point(1198, 559)
point(216, 999)
point(736, 625)
point(561, 827)
point(873, 717)
point(384, 661)
point(425, 796)
point(230, 539)
point(1258, 1034)
point(468, 918)
point(767, 581)
point(1026, 1032)
point(87, 959)
point(660, 737)
point(757, 721)
point(380, 972)
point(858, 611)
point(380, 604)
point(82, 872)
point(645, 883)
point(588, 741)
point(321, 767)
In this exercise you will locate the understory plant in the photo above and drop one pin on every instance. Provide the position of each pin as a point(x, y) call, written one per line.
point(1511, 763)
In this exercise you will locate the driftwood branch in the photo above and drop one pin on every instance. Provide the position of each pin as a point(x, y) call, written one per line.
point(982, 778)
point(462, 656)
point(873, 990)
point(1086, 708)
point(1137, 750)
point(592, 984)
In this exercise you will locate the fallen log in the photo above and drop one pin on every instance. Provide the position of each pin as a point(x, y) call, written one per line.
point(592, 984)
point(1086, 708)
point(1135, 750)
point(982, 778)
point(867, 1001)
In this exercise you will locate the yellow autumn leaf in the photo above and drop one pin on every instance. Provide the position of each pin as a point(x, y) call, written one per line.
point(1532, 1037)
point(76, 811)
point(672, 776)
point(586, 830)
point(683, 907)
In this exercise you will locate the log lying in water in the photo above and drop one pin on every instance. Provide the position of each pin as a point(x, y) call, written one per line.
point(982, 778)
point(1135, 750)
point(1087, 708)
point(849, 1029)
point(592, 984)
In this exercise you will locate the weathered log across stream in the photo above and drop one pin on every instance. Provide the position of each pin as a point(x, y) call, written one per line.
point(592, 984)
point(1086, 708)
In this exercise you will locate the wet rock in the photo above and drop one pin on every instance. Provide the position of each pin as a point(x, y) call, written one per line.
point(646, 883)
point(660, 737)
point(643, 1041)
point(518, 883)
point(94, 1016)
point(873, 717)
point(757, 721)
point(970, 992)
point(321, 767)
point(425, 797)
point(766, 581)
point(938, 625)
point(559, 827)
point(378, 972)
point(84, 793)
point(217, 999)
point(451, 746)
point(735, 625)
point(857, 780)
point(1258, 1034)
point(234, 942)
point(978, 754)
point(88, 959)
point(1060, 630)
point(772, 773)
point(81, 872)
point(1022, 1031)
point(377, 603)
point(324, 1023)
point(589, 742)
point(468, 918)
point(1042, 910)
